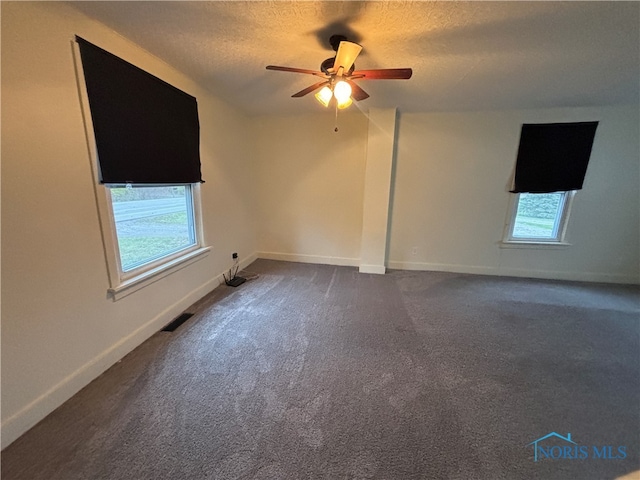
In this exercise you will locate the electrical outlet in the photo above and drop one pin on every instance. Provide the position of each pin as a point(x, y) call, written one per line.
point(234, 255)
point(414, 251)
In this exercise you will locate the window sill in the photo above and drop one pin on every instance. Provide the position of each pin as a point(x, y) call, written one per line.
point(533, 244)
point(152, 275)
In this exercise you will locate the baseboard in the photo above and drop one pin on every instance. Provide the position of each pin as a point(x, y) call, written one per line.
point(514, 272)
point(248, 260)
point(377, 269)
point(454, 268)
point(318, 259)
point(46, 403)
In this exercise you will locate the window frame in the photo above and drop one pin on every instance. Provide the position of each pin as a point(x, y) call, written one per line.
point(123, 283)
point(559, 240)
point(141, 268)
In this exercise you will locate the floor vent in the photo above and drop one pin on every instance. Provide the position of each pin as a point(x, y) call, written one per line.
point(177, 322)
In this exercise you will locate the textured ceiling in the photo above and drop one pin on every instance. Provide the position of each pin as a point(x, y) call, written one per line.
point(464, 55)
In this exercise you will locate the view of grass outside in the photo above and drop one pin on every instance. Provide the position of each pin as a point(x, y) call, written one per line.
point(538, 215)
point(151, 222)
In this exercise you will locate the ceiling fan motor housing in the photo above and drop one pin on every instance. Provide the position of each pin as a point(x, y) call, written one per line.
point(328, 65)
point(325, 66)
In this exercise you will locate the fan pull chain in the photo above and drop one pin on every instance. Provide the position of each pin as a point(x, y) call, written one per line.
point(336, 122)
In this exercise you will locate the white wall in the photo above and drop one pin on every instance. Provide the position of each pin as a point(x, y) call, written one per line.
point(311, 185)
point(59, 328)
point(451, 196)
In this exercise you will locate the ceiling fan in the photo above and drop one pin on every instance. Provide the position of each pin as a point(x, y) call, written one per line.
point(338, 74)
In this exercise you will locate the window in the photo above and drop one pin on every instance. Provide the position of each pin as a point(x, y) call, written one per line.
point(144, 139)
point(151, 222)
point(539, 217)
point(551, 165)
point(149, 231)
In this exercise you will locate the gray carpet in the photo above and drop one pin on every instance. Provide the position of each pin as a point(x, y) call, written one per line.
point(319, 372)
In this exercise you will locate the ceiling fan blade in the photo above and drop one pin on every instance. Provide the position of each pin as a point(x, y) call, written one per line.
point(384, 74)
point(346, 55)
point(357, 92)
point(295, 70)
point(310, 89)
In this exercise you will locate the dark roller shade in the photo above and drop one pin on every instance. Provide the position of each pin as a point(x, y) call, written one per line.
point(553, 157)
point(147, 131)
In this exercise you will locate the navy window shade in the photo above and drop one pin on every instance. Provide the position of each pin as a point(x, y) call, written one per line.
point(147, 131)
point(553, 157)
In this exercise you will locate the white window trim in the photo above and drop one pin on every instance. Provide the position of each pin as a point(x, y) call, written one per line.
point(122, 283)
point(508, 241)
point(166, 266)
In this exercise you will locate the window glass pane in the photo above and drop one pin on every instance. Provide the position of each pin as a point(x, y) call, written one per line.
point(152, 222)
point(538, 216)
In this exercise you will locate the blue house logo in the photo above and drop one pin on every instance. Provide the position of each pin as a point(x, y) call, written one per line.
point(557, 447)
point(547, 452)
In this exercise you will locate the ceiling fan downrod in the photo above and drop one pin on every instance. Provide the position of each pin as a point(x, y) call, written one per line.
point(335, 40)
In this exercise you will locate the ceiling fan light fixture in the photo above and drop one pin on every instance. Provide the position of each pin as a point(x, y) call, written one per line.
point(342, 92)
point(345, 104)
point(324, 96)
